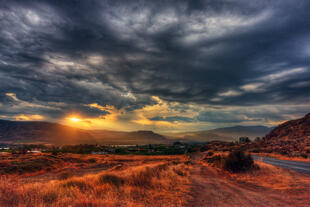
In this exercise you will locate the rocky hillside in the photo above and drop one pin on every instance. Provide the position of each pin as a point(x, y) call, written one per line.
point(291, 130)
point(291, 137)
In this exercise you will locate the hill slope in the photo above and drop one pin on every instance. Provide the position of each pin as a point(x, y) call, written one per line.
point(224, 134)
point(42, 132)
point(290, 137)
point(53, 133)
point(291, 130)
point(136, 137)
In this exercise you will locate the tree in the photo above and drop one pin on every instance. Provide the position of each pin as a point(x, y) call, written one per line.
point(244, 140)
point(257, 139)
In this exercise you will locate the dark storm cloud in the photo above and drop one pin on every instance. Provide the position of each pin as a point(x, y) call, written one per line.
point(172, 119)
point(121, 53)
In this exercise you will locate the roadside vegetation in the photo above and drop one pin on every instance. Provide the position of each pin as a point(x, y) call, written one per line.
point(280, 150)
point(234, 162)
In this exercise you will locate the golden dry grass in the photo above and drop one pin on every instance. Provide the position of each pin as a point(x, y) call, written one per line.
point(156, 184)
point(28, 165)
point(288, 186)
point(153, 181)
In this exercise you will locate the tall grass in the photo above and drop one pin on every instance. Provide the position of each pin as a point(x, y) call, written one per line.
point(150, 185)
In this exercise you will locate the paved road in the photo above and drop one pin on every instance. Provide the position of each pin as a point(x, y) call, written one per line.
point(303, 167)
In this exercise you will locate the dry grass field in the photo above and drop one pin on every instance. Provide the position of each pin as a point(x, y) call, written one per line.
point(132, 180)
point(101, 181)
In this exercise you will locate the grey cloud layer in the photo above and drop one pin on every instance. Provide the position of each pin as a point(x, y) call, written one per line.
point(123, 52)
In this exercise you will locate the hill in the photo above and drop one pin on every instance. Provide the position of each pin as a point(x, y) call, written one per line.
point(224, 134)
point(135, 137)
point(41, 132)
point(53, 133)
point(291, 137)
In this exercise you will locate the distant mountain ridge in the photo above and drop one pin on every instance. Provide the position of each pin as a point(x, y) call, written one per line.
point(54, 133)
point(224, 134)
point(41, 132)
point(135, 137)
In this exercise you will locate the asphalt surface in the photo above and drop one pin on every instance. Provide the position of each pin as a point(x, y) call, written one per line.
point(303, 167)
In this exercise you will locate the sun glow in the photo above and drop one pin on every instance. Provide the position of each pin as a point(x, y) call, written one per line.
point(74, 119)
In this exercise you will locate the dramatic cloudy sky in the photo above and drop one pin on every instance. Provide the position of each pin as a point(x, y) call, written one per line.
point(166, 66)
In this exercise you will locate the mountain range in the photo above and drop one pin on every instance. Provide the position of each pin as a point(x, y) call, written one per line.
point(54, 133)
point(223, 134)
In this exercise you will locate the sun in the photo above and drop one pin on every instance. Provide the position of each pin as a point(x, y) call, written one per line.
point(74, 119)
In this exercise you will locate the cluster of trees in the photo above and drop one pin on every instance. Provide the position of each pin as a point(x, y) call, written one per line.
point(151, 149)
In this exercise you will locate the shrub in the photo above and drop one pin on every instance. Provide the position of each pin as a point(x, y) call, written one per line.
point(210, 153)
point(64, 175)
point(255, 150)
point(111, 179)
point(144, 178)
point(92, 160)
point(244, 140)
point(50, 196)
point(76, 183)
point(179, 172)
point(238, 161)
point(204, 148)
point(215, 160)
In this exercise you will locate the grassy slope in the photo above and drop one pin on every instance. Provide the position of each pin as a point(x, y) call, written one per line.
point(146, 185)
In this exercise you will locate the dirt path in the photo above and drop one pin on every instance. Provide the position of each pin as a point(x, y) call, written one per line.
point(211, 189)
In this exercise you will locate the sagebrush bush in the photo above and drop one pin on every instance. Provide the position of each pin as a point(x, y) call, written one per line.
point(210, 153)
point(92, 160)
point(111, 179)
point(80, 184)
point(238, 161)
point(64, 175)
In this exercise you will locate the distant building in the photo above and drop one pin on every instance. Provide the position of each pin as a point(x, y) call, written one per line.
point(244, 140)
point(34, 151)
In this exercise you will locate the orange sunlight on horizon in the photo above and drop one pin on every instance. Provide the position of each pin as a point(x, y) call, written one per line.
point(74, 119)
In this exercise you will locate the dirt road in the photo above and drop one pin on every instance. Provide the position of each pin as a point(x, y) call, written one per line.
point(211, 188)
